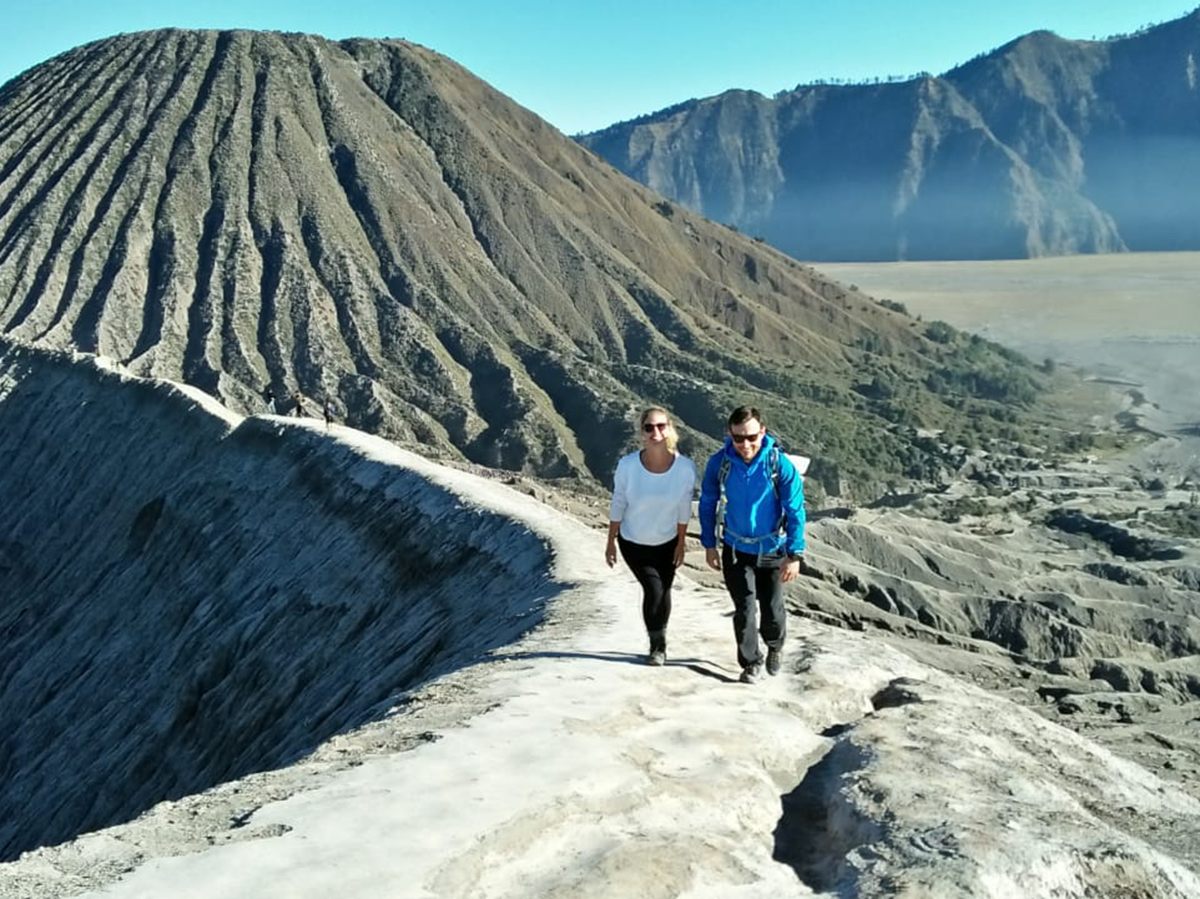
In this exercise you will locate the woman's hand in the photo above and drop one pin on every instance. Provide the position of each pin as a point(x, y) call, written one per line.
point(680, 552)
point(610, 552)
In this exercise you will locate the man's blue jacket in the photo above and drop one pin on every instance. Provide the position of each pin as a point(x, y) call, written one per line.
point(752, 510)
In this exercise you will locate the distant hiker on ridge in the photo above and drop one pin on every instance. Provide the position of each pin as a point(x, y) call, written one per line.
point(752, 501)
point(648, 516)
point(269, 396)
point(327, 410)
point(299, 407)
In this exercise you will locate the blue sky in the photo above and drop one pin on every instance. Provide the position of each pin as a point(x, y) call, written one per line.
point(584, 66)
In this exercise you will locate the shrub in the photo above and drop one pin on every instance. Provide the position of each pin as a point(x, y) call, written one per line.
point(894, 306)
point(940, 332)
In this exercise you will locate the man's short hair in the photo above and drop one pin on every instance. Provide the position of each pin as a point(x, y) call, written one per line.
point(743, 414)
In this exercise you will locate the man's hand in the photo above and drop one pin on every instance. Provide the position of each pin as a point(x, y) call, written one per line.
point(713, 558)
point(790, 570)
point(610, 553)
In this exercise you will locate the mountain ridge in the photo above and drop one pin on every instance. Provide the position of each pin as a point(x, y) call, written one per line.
point(1043, 146)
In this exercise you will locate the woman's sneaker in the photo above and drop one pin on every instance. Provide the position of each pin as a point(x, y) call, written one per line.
point(658, 658)
point(774, 660)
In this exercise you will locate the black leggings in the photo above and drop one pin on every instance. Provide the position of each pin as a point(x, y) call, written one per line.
point(654, 567)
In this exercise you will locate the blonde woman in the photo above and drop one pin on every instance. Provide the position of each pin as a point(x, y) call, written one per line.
point(648, 516)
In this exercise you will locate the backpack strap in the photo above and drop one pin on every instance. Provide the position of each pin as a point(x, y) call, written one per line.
point(773, 462)
point(722, 476)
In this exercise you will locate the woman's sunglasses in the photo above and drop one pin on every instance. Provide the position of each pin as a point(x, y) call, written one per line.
point(651, 427)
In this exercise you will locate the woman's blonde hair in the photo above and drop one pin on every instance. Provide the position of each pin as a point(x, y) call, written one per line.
point(670, 435)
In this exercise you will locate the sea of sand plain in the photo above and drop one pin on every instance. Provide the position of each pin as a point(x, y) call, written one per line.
point(1126, 316)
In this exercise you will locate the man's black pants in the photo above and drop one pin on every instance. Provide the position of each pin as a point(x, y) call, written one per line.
point(753, 583)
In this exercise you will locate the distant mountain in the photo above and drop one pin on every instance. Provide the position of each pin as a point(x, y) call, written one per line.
point(1044, 146)
point(368, 221)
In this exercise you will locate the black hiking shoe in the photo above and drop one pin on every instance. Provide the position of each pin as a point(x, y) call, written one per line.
point(774, 660)
point(751, 674)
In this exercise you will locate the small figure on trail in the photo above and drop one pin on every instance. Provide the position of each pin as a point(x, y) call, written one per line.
point(752, 502)
point(648, 516)
point(298, 407)
point(328, 411)
point(269, 397)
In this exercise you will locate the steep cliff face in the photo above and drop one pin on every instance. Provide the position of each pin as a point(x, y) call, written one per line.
point(366, 220)
point(1044, 146)
point(186, 598)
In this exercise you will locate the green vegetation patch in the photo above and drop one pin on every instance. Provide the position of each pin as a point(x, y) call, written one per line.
point(1178, 520)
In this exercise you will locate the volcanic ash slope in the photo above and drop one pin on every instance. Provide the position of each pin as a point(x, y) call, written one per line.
point(367, 220)
point(191, 598)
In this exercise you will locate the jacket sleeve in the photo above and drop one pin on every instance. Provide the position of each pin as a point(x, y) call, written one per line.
point(710, 490)
point(616, 508)
point(791, 495)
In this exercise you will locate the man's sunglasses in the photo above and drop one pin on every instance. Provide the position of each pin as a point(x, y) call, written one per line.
point(746, 438)
point(651, 427)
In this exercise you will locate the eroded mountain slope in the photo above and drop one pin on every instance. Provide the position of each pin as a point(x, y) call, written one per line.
point(366, 220)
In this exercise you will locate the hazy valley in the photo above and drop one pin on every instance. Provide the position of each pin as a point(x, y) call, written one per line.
point(1128, 317)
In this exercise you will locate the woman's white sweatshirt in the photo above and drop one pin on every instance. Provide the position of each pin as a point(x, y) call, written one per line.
point(651, 506)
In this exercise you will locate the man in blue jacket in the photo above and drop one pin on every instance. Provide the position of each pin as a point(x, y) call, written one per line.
point(752, 500)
